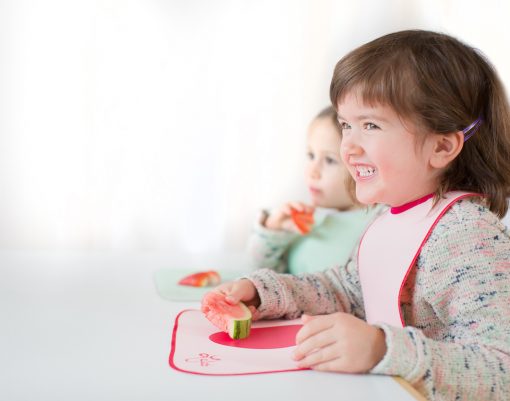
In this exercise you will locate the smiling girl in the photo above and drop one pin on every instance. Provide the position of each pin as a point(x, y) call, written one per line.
point(425, 129)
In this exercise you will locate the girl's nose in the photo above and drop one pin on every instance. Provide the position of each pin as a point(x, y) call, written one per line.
point(350, 145)
point(315, 169)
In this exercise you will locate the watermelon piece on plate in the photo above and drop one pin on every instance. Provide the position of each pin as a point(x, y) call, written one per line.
point(202, 279)
point(303, 220)
point(235, 320)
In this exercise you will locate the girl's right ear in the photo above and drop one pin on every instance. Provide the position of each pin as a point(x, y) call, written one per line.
point(446, 147)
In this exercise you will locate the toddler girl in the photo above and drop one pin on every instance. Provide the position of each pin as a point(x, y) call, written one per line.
point(276, 242)
point(426, 129)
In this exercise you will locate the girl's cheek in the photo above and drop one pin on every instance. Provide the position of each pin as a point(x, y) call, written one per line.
point(343, 156)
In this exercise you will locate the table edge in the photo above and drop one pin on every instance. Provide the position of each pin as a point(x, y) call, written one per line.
point(409, 388)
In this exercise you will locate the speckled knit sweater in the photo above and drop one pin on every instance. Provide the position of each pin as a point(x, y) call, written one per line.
point(456, 307)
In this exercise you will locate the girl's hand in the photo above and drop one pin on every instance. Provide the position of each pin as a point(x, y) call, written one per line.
point(280, 219)
point(339, 342)
point(240, 290)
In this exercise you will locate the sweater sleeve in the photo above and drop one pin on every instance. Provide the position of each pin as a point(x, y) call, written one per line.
point(288, 296)
point(459, 348)
point(268, 248)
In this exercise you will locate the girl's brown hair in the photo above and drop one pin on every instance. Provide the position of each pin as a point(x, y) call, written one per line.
point(442, 85)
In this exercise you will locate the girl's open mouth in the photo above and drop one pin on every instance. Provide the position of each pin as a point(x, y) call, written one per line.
point(365, 171)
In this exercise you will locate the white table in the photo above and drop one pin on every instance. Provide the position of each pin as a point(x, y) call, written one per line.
point(90, 326)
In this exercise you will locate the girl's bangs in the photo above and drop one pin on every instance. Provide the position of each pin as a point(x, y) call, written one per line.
point(378, 85)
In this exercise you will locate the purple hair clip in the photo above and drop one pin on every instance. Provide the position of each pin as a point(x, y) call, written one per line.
point(470, 130)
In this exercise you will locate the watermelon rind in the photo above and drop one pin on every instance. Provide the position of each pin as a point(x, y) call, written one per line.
point(239, 328)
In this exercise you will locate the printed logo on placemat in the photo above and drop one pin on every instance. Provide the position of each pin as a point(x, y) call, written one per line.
point(204, 359)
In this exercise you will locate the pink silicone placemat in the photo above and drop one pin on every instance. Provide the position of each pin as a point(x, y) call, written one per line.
point(199, 347)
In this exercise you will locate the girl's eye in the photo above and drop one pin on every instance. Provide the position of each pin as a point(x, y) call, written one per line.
point(344, 125)
point(371, 126)
point(330, 160)
point(310, 155)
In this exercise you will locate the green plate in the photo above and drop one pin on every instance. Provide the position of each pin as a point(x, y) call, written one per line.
point(168, 288)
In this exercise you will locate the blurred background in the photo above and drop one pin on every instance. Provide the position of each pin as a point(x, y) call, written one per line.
point(151, 125)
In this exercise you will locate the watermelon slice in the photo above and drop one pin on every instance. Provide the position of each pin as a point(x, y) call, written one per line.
point(232, 319)
point(303, 220)
point(202, 279)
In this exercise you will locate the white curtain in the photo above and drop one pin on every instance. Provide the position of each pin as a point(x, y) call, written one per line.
point(166, 125)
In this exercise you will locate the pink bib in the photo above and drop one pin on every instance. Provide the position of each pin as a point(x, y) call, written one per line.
point(389, 249)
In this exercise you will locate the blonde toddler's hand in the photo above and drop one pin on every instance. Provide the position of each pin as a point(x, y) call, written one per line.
point(339, 342)
point(280, 219)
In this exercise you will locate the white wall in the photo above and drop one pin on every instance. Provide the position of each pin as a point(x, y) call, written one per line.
point(165, 125)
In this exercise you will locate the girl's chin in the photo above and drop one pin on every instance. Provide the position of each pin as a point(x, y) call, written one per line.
point(315, 202)
point(365, 198)
point(315, 198)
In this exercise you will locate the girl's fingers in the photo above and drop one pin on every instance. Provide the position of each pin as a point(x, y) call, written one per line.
point(319, 357)
point(221, 290)
point(301, 207)
point(235, 294)
point(242, 290)
point(307, 318)
point(312, 325)
point(314, 343)
point(286, 209)
point(288, 225)
point(308, 209)
point(232, 291)
point(232, 299)
point(296, 206)
point(333, 365)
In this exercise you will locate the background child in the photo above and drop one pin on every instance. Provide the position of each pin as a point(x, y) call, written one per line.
point(277, 244)
point(407, 102)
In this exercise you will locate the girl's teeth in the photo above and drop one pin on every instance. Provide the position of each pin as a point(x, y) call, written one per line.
point(365, 171)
